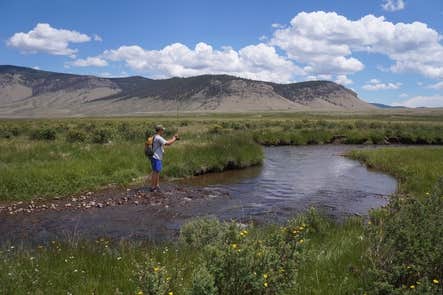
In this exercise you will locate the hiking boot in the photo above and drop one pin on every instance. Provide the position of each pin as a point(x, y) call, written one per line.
point(155, 189)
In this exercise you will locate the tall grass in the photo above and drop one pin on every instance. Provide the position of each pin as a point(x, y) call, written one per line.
point(406, 237)
point(46, 169)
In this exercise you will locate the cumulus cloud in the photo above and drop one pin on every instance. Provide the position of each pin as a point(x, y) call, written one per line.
point(259, 61)
point(89, 62)
point(277, 26)
point(403, 95)
point(325, 42)
point(44, 38)
point(343, 79)
point(374, 84)
point(98, 38)
point(435, 101)
point(438, 85)
point(393, 5)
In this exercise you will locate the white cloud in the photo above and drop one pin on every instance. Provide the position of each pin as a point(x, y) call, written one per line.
point(393, 5)
point(89, 62)
point(36, 68)
point(438, 85)
point(403, 95)
point(44, 38)
point(277, 26)
point(343, 79)
point(98, 38)
point(422, 101)
point(325, 42)
point(374, 85)
point(259, 61)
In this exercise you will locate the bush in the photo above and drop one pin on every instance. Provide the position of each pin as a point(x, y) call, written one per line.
point(407, 245)
point(202, 283)
point(241, 262)
point(101, 136)
point(76, 136)
point(43, 134)
point(154, 279)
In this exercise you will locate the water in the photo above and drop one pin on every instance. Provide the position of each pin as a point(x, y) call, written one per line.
point(291, 180)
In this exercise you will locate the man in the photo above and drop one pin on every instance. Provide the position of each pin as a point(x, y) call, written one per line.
point(158, 144)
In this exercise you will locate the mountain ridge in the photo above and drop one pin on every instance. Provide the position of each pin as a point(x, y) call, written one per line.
point(27, 92)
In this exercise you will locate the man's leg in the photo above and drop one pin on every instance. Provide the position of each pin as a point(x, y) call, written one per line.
point(153, 179)
point(157, 182)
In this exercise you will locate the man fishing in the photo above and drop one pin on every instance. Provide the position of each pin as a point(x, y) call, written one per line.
point(157, 143)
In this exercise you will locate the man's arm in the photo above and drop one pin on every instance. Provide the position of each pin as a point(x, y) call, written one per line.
point(172, 140)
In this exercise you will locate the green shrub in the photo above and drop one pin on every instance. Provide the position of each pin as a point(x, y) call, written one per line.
point(153, 279)
point(76, 136)
point(101, 136)
point(407, 244)
point(202, 282)
point(43, 134)
point(241, 262)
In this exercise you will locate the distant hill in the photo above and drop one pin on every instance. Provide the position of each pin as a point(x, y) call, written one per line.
point(385, 106)
point(26, 92)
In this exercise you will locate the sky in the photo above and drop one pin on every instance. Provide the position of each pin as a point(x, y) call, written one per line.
point(388, 51)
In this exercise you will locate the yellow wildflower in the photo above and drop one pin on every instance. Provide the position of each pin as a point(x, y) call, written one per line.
point(301, 241)
point(234, 246)
point(140, 292)
point(265, 276)
point(412, 286)
point(156, 269)
point(265, 284)
point(171, 293)
point(435, 281)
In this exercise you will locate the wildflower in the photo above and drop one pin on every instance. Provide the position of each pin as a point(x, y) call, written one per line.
point(435, 281)
point(140, 292)
point(301, 241)
point(427, 193)
point(234, 246)
point(119, 258)
point(265, 276)
point(156, 269)
point(265, 284)
point(412, 286)
point(75, 270)
point(171, 293)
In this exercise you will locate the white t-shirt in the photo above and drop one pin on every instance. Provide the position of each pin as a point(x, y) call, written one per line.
point(157, 146)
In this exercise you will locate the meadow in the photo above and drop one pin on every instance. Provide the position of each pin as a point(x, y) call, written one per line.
point(56, 158)
point(398, 250)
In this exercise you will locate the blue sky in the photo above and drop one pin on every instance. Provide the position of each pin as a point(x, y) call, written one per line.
point(389, 51)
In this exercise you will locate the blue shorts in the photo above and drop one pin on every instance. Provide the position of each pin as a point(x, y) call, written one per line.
point(156, 165)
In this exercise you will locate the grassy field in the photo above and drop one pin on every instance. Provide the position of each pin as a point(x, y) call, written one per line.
point(48, 158)
point(398, 251)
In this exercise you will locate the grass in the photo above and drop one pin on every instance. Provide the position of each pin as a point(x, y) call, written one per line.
point(406, 237)
point(55, 168)
point(400, 248)
point(416, 168)
point(48, 158)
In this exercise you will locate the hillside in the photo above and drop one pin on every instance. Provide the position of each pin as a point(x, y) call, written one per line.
point(25, 92)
